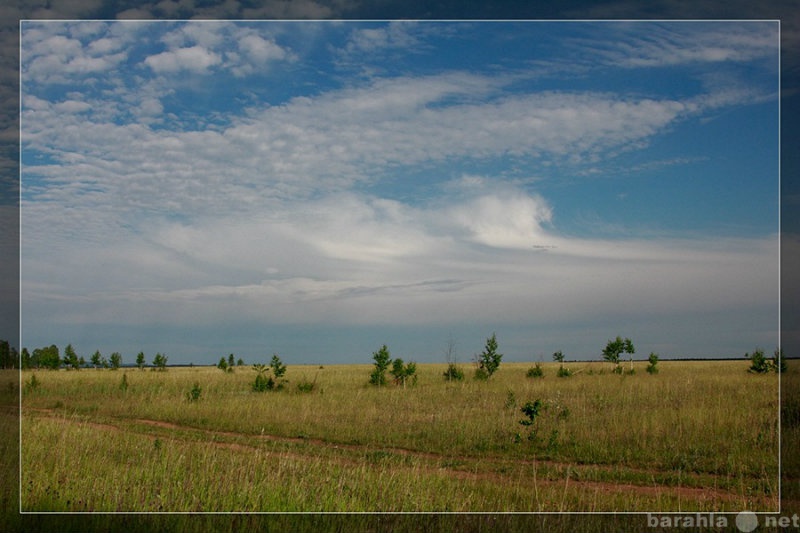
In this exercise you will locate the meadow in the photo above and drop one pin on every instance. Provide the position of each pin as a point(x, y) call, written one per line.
point(699, 436)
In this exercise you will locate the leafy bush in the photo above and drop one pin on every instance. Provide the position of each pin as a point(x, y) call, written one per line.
point(269, 377)
point(402, 373)
point(123, 384)
point(653, 359)
point(563, 372)
point(759, 363)
point(453, 373)
point(535, 371)
point(615, 348)
point(194, 394)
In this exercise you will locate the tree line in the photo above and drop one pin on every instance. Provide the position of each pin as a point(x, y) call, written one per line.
point(50, 358)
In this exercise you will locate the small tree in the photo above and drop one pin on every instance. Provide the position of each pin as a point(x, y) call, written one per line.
point(403, 372)
point(489, 359)
point(223, 364)
point(759, 363)
point(382, 360)
point(778, 361)
point(140, 361)
point(653, 359)
point(160, 362)
point(453, 372)
point(614, 349)
point(116, 360)
point(96, 359)
point(278, 369)
point(558, 356)
point(71, 359)
point(263, 382)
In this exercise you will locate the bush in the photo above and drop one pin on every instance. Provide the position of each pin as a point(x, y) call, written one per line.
point(264, 381)
point(535, 371)
point(194, 394)
point(652, 368)
point(759, 363)
point(402, 372)
point(563, 372)
point(453, 373)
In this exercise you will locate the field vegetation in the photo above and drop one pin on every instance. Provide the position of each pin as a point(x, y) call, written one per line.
point(696, 436)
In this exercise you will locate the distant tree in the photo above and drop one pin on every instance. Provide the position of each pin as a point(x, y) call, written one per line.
point(116, 360)
point(48, 357)
point(71, 359)
point(160, 362)
point(402, 372)
point(240, 362)
point(96, 359)
point(140, 360)
point(25, 359)
point(453, 372)
point(9, 358)
point(223, 364)
point(759, 363)
point(615, 348)
point(489, 359)
point(558, 356)
point(264, 381)
point(278, 368)
point(653, 359)
point(382, 359)
point(778, 361)
point(231, 362)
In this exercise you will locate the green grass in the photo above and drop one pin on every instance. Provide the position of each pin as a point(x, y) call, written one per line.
point(698, 436)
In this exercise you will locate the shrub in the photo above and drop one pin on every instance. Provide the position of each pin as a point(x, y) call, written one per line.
point(123, 384)
point(653, 359)
point(402, 372)
point(264, 381)
point(563, 372)
point(382, 360)
point(453, 373)
point(535, 371)
point(194, 394)
point(32, 384)
point(759, 363)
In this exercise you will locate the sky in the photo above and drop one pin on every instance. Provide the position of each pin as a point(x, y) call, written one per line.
point(318, 189)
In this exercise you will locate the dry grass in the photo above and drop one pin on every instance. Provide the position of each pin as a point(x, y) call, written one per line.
point(697, 436)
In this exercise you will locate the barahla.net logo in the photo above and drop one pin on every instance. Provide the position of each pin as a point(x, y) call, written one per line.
point(746, 521)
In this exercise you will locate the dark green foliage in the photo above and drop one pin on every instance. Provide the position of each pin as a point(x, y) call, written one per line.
point(71, 359)
point(402, 373)
point(277, 366)
point(453, 373)
point(9, 358)
point(558, 356)
point(223, 364)
point(25, 359)
point(489, 359)
point(269, 377)
point(46, 357)
point(96, 359)
point(563, 372)
point(160, 362)
point(382, 360)
point(652, 368)
point(307, 386)
point(123, 385)
point(140, 361)
point(615, 348)
point(535, 371)
point(32, 384)
point(116, 360)
point(231, 362)
point(194, 394)
point(761, 365)
point(778, 361)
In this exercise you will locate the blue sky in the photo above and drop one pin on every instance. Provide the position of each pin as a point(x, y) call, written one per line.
point(317, 189)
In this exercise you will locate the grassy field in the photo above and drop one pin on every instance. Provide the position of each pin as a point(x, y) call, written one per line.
point(698, 436)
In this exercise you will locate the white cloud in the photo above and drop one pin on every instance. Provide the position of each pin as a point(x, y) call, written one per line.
point(194, 59)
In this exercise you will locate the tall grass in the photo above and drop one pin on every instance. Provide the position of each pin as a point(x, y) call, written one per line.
point(350, 446)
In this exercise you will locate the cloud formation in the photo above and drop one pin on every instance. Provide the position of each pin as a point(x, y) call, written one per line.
point(295, 192)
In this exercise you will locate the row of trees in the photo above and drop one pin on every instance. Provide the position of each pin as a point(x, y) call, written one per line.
point(49, 357)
